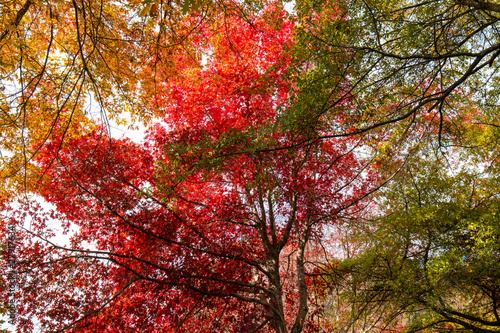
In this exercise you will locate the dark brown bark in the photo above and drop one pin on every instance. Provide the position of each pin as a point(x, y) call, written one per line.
point(481, 5)
point(19, 17)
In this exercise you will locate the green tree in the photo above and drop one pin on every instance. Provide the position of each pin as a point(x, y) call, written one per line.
point(428, 259)
point(422, 82)
point(402, 61)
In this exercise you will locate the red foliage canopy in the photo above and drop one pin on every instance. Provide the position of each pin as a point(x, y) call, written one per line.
point(207, 225)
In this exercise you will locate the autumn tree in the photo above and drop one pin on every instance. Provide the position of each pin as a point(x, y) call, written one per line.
point(225, 216)
point(72, 62)
point(210, 224)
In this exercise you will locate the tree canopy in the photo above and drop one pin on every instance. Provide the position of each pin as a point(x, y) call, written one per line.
point(333, 167)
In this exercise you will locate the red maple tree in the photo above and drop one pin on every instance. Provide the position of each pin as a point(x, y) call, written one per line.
point(208, 226)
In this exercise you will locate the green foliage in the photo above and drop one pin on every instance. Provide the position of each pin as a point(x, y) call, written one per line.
point(398, 67)
point(430, 254)
point(321, 102)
